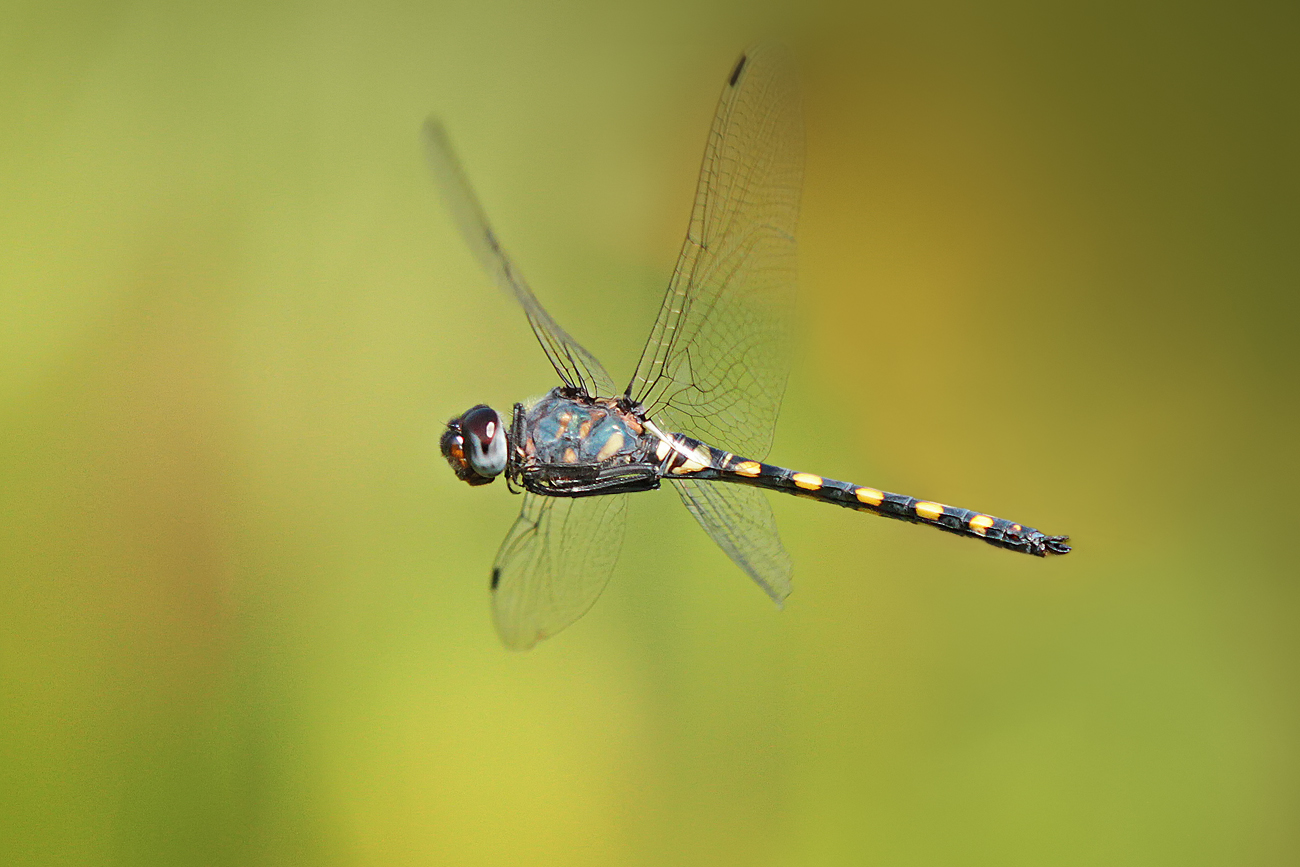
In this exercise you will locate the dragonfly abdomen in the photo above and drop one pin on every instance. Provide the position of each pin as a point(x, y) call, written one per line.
point(694, 459)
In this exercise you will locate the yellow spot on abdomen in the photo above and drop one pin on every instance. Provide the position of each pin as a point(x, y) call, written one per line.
point(747, 468)
point(612, 445)
point(688, 467)
point(929, 511)
point(870, 496)
point(981, 523)
point(661, 451)
point(807, 481)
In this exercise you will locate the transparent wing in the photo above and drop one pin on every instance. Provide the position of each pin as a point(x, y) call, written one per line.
point(716, 362)
point(740, 520)
point(553, 564)
point(575, 365)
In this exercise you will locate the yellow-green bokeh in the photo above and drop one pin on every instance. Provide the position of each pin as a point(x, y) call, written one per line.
point(1048, 271)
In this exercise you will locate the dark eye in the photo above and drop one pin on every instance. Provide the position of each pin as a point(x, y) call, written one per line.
point(484, 442)
point(482, 423)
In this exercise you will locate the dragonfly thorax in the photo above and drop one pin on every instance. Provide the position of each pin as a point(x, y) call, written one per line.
point(476, 445)
point(568, 444)
point(563, 431)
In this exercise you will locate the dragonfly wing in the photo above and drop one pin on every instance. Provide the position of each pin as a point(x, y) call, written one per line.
point(740, 520)
point(716, 362)
point(577, 367)
point(554, 563)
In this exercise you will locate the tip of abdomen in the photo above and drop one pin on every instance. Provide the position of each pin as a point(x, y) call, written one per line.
point(1054, 545)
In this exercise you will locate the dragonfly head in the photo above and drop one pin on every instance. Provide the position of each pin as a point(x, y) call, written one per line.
point(474, 443)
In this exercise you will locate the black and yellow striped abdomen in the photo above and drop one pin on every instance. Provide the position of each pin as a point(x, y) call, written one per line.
point(690, 458)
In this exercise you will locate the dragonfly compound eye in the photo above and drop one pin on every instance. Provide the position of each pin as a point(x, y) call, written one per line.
point(474, 444)
point(483, 443)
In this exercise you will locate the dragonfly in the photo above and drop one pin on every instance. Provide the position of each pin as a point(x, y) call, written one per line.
point(700, 410)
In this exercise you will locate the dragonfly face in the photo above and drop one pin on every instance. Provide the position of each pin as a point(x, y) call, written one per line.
point(475, 444)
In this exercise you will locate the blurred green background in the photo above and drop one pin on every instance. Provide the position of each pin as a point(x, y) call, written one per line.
point(1049, 271)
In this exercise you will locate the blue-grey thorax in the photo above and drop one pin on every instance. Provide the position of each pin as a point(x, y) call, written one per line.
point(559, 431)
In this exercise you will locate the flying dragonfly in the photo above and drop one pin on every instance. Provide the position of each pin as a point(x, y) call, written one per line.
point(700, 409)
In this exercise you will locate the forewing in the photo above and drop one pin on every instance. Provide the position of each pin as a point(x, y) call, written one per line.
point(740, 520)
point(716, 362)
point(554, 563)
point(577, 367)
